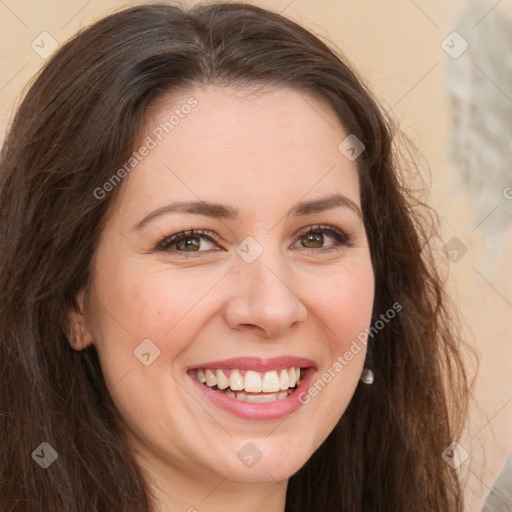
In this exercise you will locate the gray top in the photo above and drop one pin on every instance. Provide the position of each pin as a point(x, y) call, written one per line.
point(499, 498)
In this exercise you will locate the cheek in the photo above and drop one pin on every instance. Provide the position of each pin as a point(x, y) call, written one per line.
point(139, 313)
point(344, 308)
point(160, 305)
point(344, 304)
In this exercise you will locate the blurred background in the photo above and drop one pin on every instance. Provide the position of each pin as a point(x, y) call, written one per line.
point(443, 69)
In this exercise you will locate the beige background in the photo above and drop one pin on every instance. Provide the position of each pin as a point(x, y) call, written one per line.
point(396, 45)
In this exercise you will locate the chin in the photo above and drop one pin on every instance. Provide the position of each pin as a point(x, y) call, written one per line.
point(266, 473)
point(264, 462)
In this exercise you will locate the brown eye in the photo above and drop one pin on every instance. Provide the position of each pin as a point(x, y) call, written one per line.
point(186, 242)
point(314, 240)
point(315, 237)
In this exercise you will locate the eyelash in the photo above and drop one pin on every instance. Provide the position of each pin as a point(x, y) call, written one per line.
point(341, 239)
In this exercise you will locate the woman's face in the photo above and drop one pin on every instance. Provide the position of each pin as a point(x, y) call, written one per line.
point(254, 295)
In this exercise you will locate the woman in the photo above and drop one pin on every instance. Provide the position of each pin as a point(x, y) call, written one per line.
point(217, 292)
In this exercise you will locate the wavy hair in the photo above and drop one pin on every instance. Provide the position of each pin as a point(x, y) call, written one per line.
point(79, 120)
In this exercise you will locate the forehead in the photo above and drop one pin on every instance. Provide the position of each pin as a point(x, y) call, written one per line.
point(220, 143)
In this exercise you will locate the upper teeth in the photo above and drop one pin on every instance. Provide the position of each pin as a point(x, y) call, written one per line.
point(249, 380)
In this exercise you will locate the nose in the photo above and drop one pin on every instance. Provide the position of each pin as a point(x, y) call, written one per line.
point(262, 296)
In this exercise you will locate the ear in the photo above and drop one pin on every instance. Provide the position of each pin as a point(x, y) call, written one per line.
point(79, 335)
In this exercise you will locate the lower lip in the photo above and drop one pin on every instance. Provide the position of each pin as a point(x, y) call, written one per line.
point(265, 411)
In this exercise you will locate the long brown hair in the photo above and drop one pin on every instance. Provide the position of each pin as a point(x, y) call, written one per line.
point(78, 123)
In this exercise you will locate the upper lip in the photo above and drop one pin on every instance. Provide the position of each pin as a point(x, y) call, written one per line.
point(257, 363)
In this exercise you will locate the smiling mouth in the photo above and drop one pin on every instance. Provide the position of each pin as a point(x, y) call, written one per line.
point(249, 385)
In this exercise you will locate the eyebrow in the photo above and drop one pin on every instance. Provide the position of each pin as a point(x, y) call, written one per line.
point(220, 211)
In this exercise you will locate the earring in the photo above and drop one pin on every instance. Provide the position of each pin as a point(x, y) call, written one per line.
point(367, 376)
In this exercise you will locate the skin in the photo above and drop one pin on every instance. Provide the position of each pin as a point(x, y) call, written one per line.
point(261, 153)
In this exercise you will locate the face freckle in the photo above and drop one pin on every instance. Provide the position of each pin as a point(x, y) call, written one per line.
point(260, 154)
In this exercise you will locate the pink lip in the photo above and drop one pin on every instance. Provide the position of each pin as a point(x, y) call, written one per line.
point(263, 412)
point(257, 363)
